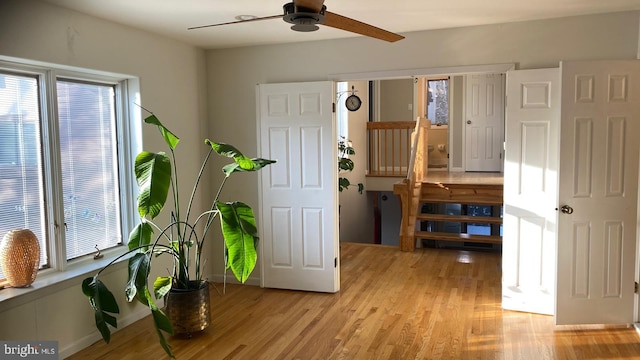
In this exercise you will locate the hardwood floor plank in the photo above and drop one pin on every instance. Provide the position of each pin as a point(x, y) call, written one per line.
point(427, 304)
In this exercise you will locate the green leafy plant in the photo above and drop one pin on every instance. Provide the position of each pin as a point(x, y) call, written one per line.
point(182, 239)
point(345, 148)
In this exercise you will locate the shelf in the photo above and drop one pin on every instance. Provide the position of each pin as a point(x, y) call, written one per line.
point(460, 218)
point(488, 239)
point(475, 194)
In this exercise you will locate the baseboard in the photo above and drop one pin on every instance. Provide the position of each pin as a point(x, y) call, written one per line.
point(218, 278)
point(123, 322)
point(95, 336)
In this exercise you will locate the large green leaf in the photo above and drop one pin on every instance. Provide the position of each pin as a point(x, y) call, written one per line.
point(153, 173)
point(231, 151)
point(258, 163)
point(345, 164)
point(102, 301)
point(161, 286)
point(138, 274)
point(140, 235)
point(240, 236)
point(161, 322)
point(169, 137)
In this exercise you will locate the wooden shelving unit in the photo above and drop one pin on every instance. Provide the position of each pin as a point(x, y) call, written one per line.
point(463, 194)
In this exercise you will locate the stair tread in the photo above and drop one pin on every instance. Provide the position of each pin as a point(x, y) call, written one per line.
point(461, 218)
point(491, 239)
point(470, 201)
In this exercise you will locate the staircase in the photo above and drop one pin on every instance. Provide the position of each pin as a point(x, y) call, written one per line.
point(464, 195)
point(419, 189)
point(400, 149)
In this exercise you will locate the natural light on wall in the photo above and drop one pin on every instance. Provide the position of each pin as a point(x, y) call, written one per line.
point(342, 114)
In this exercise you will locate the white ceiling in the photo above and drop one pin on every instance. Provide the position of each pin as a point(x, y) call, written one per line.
point(172, 17)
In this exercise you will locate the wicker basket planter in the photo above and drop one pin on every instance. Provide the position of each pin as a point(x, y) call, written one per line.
point(20, 257)
point(188, 310)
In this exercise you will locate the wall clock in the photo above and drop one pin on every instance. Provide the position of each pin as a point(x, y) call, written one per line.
point(353, 102)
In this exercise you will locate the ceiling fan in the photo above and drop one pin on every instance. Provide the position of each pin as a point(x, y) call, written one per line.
point(306, 15)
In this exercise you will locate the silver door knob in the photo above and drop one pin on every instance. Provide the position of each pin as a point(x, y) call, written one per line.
point(566, 209)
point(469, 122)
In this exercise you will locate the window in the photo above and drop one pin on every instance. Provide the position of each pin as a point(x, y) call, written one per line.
point(89, 166)
point(438, 101)
point(21, 185)
point(342, 114)
point(64, 160)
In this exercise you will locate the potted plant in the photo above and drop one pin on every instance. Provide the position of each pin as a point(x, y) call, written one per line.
point(182, 239)
point(345, 148)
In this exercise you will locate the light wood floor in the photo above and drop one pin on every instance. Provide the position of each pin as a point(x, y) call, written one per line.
point(430, 304)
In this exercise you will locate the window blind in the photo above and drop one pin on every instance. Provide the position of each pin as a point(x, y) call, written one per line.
point(21, 176)
point(88, 151)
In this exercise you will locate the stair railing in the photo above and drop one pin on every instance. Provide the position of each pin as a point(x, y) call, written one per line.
point(389, 147)
point(408, 190)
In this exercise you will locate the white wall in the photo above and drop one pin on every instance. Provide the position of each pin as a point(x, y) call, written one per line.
point(172, 85)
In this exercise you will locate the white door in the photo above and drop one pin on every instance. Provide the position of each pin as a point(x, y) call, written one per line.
point(484, 128)
point(298, 194)
point(531, 190)
point(598, 192)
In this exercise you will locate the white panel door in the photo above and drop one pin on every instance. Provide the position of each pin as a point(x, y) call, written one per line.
point(531, 190)
point(598, 192)
point(484, 128)
point(299, 195)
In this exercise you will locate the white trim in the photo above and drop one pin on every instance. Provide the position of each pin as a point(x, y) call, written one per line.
point(230, 279)
point(95, 336)
point(61, 273)
point(65, 69)
point(436, 71)
point(463, 164)
point(638, 53)
point(451, 126)
point(50, 281)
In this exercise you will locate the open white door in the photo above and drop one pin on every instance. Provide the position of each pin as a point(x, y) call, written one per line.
point(298, 194)
point(598, 192)
point(484, 129)
point(531, 190)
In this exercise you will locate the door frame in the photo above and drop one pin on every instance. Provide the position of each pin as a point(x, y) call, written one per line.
point(461, 70)
point(500, 68)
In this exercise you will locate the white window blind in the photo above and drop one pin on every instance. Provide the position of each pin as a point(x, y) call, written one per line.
point(88, 151)
point(21, 175)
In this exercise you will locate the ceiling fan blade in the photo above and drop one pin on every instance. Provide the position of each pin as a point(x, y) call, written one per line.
point(344, 23)
point(237, 22)
point(315, 5)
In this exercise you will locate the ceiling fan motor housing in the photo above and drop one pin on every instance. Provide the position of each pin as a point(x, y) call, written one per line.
point(303, 19)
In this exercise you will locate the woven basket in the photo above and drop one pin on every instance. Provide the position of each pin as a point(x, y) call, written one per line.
point(20, 257)
point(188, 310)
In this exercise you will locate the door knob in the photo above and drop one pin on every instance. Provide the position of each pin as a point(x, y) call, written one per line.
point(566, 209)
point(468, 121)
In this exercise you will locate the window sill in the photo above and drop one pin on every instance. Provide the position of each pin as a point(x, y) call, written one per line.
point(51, 281)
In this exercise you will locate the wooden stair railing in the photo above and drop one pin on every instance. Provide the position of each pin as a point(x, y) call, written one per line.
point(389, 147)
point(409, 189)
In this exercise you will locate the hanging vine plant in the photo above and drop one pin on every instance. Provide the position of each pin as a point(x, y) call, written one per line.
point(345, 164)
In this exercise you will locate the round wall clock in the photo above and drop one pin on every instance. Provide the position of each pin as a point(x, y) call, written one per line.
point(353, 102)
